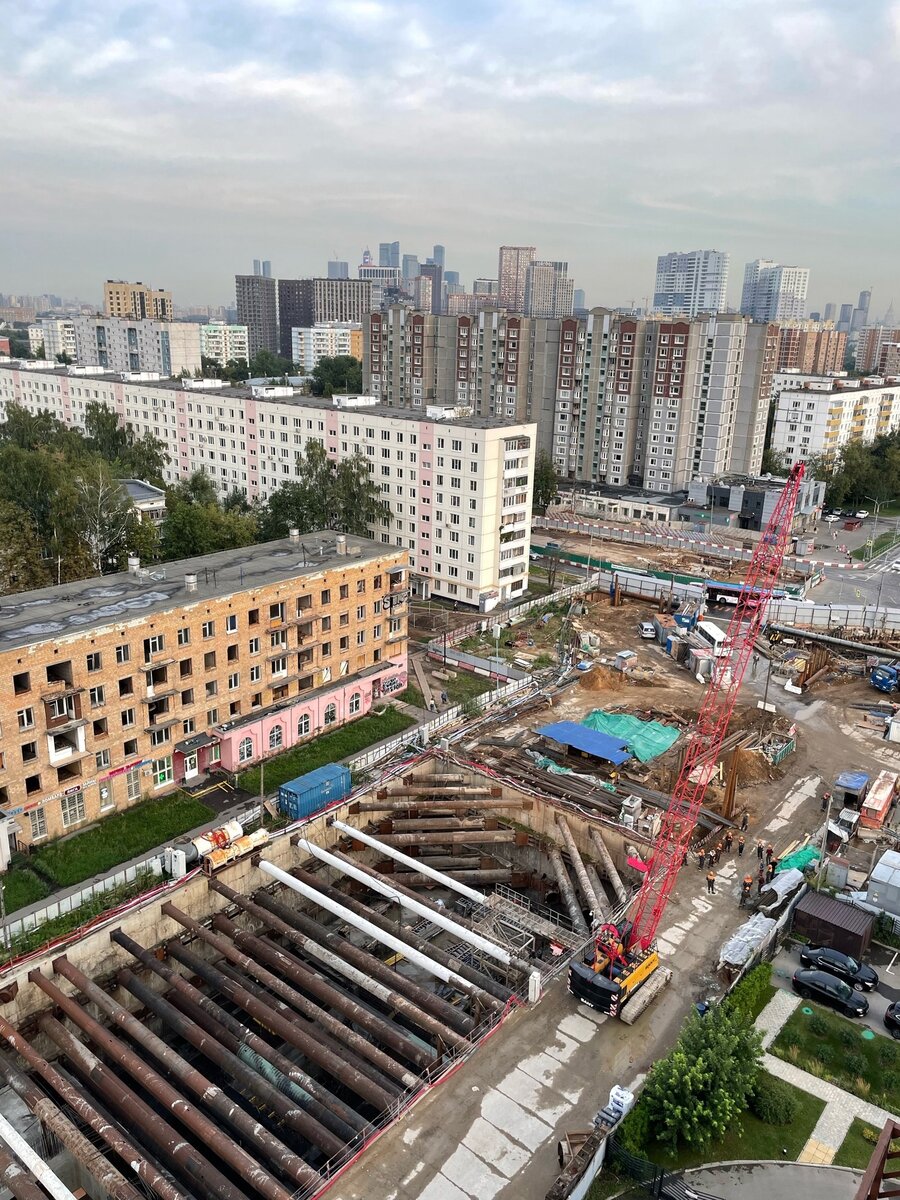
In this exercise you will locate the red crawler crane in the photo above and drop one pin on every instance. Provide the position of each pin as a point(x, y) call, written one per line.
point(634, 960)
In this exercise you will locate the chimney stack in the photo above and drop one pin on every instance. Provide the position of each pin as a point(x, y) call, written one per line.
point(294, 535)
point(190, 583)
point(134, 565)
point(341, 543)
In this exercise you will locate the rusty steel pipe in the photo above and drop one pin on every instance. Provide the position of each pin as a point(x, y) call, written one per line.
point(567, 889)
point(474, 837)
point(417, 879)
point(361, 968)
point(18, 1181)
point(333, 1113)
point(252, 1130)
point(193, 1118)
point(301, 974)
point(431, 824)
point(430, 804)
point(612, 874)
point(587, 889)
point(265, 1015)
point(93, 1160)
point(369, 963)
point(496, 996)
point(389, 1066)
point(105, 1129)
point(286, 1110)
point(424, 789)
point(205, 1178)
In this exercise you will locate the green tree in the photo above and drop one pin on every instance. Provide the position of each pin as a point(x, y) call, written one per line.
point(196, 523)
point(358, 500)
point(342, 373)
point(104, 517)
point(130, 456)
point(236, 370)
point(22, 566)
point(30, 431)
point(325, 495)
point(546, 482)
point(698, 1092)
point(270, 366)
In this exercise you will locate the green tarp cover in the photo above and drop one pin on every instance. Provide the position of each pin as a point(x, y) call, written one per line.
point(645, 739)
point(555, 769)
point(800, 859)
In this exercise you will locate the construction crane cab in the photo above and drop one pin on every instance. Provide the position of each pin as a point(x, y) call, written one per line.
point(611, 974)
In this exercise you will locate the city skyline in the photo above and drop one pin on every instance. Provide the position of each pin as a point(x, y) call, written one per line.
point(144, 189)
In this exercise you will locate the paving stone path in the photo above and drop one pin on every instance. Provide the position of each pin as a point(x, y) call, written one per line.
point(840, 1106)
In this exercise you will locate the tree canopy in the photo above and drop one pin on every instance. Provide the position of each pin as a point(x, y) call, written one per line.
point(546, 482)
point(342, 373)
point(271, 366)
point(325, 495)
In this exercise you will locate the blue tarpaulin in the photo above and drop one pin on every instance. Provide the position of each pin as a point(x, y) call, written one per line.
point(601, 745)
point(852, 781)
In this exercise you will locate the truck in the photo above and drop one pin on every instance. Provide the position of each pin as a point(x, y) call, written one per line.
point(842, 830)
point(877, 804)
point(885, 677)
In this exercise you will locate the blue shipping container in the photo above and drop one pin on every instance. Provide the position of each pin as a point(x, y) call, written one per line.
point(310, 793)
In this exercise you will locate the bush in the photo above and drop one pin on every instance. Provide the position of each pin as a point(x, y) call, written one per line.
point(855, 1064)
point(825, 1055)
point(871, 1135)
point(774, 1102)
point(749, 997)
point(818, 1025)
point(887, 1052)
point(847, 1039)
point(634, 1132)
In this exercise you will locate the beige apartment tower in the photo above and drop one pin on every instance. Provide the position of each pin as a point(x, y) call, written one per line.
point(512, 269)
point(135, 301)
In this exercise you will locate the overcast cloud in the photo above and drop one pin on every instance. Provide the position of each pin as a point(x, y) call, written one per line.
point(174, 142)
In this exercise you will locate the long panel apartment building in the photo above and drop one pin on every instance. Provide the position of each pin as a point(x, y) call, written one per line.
point(459, 486)
point(616, 399)
point(125, 687)
point(818, 415)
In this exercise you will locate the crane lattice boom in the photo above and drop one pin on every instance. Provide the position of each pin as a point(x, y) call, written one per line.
point(707, 736)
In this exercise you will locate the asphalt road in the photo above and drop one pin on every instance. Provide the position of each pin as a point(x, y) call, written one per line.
point(786, 962)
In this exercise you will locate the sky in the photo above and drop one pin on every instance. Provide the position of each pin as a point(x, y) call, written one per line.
point(176, 141)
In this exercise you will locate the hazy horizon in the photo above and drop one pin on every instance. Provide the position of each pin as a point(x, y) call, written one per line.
point(177, 143)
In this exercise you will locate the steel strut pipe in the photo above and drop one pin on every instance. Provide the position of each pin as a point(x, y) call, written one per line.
point(485, 945)
point(416, 1003)
point(301, 1003)
point(599, 891)
point(17, 1180)
point(387, 939)
point(354, 1060)
point(430, 803)
point(301, 974)
point(255, 1133)
point(205, 1178)
point(193, 1118)
point(474, 837)
point(148, 1174)
point(41, 1170)
point(608, 865)
point(433, 824)
point(317, 1100)
point(266, 1016)
point(520, 964)
point(478, 978)
point(566, 889)
point(424, 789)
point(93, 1160)
point(416, 879)
point(587, 888)
point(267, 1093)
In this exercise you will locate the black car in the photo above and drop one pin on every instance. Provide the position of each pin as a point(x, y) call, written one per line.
point(857, 974)
point(828, 989)
point(892, 1019)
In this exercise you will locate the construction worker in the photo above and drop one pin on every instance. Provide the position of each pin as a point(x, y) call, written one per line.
point(718, 853)
point(741, 846)
point(745, 821)
point(760, 848)
point(770, 850)
point(770, 869)
point(711, 882)
point(746, 888)
point(729, 840)
point(760, 880)
point(701, 858)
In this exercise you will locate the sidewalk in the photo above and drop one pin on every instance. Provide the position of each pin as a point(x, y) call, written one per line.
point(840, 1107)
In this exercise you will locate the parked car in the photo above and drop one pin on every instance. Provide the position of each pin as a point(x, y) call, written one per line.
point(647, 629)
point(862, 514)
point(857, 974)
point(831, 991)
point(831, 518)
point(892, 1019)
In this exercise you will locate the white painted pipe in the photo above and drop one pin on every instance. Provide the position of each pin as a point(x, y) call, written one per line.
point(360, 923)
point(385, 889)
point(415, 863)
point(33, 1162)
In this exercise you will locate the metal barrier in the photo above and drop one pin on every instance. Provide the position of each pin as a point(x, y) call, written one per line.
point(655, 1180)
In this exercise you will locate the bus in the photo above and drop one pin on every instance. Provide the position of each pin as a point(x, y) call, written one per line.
point(719, 592)
point(712, 636)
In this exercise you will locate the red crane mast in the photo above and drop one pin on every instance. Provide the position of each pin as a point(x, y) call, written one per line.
point(708, 734)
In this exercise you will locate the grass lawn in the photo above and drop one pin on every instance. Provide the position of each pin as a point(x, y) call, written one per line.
point(833, 1048)
point(883, 542)
point(855, 1150)
point(763, 1000)
point(329, 748)
point(412, 694)
point(756, 1141)
point(121, 837)
point(466, 686)
point(22, 887)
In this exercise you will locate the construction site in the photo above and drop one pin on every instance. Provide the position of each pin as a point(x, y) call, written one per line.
point(413, 991)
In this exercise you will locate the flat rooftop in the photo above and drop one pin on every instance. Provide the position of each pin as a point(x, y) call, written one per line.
point(70, 608)
point(324, 403)
point(628, 495)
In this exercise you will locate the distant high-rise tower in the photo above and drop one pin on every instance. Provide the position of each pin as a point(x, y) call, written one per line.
point(578, 301)
point(262, 268)
point(434, 272)
point(389, 254)
point(773, 292)
point(437, 256)
point(548, 289)
point(338, 269)
point(257, 307)
point(512, 268)
point(860, 317)
point(410, 267)
point(691, 283)
point(830, 311)
point(136, 301)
